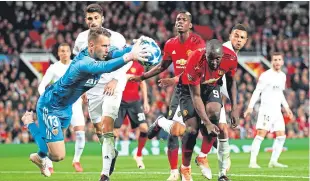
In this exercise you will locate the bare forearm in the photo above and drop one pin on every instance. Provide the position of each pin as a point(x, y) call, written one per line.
point(157, 69)
point(143, 87)
point(232, 91)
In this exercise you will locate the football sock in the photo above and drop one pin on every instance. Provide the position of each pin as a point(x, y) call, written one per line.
point(79, 145)
point(35, 132)
point(188, 143)
point(100, 137)
point(173, 149)
point(223, 156)
point(277, 148)
point(255, 148)
point(108, 152)
point(206, 145)
point(141, 142)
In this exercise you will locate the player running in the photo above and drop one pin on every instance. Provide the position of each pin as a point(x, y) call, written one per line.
point(270, 86)
point(105, 98)
point(53, 73)
point(176, 52)
point(132, 107)
point(54, 107)
point(238, 38)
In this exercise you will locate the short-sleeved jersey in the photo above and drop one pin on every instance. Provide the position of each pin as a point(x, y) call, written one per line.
point(83, 73)
point(178, 52)
point(131, 92)
point(198, 72)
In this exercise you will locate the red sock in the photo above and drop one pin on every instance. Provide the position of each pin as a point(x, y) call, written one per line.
point(141, 142)
point(206, 144)
point(173, 158)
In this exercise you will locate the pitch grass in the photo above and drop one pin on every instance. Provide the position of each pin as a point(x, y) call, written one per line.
point(15, 166)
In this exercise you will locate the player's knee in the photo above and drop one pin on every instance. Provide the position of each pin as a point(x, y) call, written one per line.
point(214, 114)
point(143, 128)
point(57, 157)
point(178, 129)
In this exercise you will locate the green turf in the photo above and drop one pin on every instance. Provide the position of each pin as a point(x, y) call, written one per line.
point(14, 166)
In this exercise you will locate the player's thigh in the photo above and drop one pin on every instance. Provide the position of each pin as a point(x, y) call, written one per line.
point(122, 112)
point(186, 105)
point(57, 150)
point(77, 121)
point(174, 103)
point(136, 114)
point(277, 124)
point(111, 105)
point(95, 108)
point(264, 120)
point(212, 97)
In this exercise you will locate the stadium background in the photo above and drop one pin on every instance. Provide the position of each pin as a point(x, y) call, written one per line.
point(42, 26)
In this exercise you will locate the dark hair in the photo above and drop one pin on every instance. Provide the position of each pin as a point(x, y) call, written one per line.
point(64, 45)
point(239, 27)
point(92, 8)
point(94, 33)
point(187, 13)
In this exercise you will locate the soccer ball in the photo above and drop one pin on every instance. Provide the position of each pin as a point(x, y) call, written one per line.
point(155, 57)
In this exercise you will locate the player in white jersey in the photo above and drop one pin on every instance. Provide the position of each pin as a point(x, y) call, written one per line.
point(105, 98)
point(53, 73)
point(270, 86)
point(238, 38)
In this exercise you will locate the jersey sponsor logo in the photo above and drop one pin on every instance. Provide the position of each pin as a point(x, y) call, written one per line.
point(91, 82)
point(181, 62)
point(173, 53)
point(133, 70)
point(211, 81)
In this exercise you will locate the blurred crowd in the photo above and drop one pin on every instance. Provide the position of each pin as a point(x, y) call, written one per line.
point(273, 26)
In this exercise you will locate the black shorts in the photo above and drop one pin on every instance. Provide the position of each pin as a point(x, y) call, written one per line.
point(209, 93)
point(134, 112)
point(174, 103)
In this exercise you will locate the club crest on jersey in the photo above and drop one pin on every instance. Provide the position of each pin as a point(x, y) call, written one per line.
point(188, 52)
point(181, 62)
point(133, 70)
point(185, 112)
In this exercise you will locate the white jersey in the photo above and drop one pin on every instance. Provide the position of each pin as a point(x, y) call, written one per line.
point(118, 41)
point(271, 85)
point(53, 73)
point(224, 86)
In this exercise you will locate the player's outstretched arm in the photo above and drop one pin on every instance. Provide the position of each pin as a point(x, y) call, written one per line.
point(255, 96)
point(162, 66)
point(47, 78)
point(201, 110)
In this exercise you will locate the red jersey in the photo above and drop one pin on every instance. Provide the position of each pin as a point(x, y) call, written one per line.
point(197, 71)
point(178, 52)
point(131, 92)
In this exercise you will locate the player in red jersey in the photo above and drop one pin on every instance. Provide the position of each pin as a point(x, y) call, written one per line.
point(205, 68)
point(131, 106)
point(237, 39)
point(176, 52)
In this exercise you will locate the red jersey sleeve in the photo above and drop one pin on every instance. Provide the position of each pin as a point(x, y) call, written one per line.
point(232, 61)
point(167, 55)
point(194, 68)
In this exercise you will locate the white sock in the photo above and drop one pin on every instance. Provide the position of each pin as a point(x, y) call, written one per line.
point(79, 145)
point(108, 152)
point(49, 163)
point(165, 124)
point(223, 155)
point(277, 148)
point(255, 148)
point(202, 155)
point(174, 171)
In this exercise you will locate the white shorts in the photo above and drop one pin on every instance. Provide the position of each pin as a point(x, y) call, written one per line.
point(104, 105)
point(223, 115)
point(270, 120)
point(178, 116)
point(77, 114)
